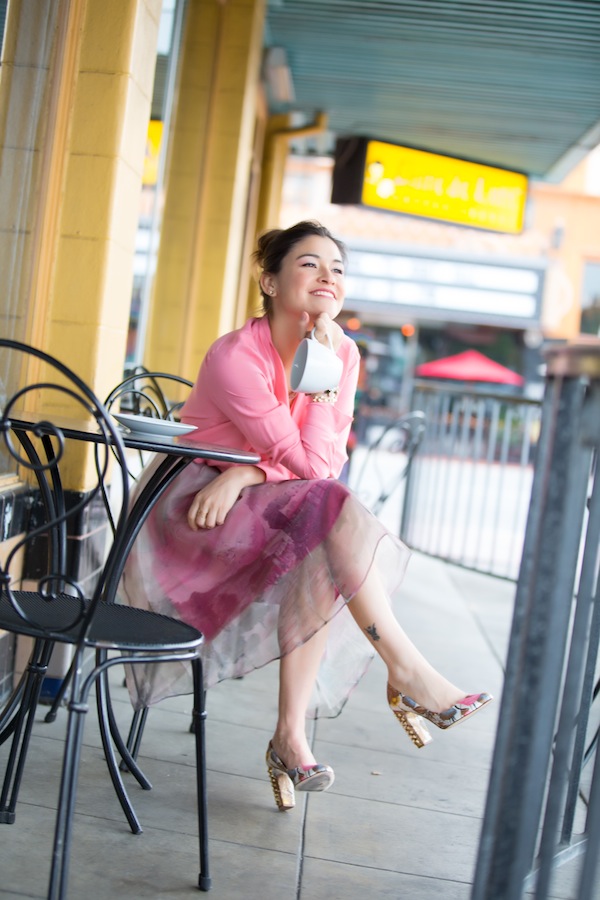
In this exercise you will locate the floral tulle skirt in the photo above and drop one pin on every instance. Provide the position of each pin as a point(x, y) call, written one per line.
point(286, 562)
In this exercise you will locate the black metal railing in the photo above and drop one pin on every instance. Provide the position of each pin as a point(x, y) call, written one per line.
point(543, 803)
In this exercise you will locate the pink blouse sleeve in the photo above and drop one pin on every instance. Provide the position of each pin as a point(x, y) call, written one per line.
point(315, 448)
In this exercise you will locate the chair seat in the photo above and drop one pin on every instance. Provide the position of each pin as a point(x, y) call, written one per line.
point(114, 626)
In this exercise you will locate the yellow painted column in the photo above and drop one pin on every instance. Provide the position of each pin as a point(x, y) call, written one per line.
point(110, 96)
point(202, 236)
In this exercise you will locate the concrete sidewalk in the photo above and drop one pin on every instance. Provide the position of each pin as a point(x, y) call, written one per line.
point(398, 822)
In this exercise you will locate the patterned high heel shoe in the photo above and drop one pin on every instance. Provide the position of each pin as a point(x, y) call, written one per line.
point(412, 716)
point(286, 781)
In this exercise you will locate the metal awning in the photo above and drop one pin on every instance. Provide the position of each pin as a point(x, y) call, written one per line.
point(511, 83)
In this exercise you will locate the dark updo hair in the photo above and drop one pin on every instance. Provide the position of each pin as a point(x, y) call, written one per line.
point(274, 245)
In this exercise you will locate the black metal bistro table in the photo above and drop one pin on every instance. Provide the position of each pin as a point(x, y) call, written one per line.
point(177, 453)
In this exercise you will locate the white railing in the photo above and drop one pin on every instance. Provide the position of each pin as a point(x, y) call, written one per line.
point(467, 496)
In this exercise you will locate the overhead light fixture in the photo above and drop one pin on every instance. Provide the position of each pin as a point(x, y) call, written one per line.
point(277, 75)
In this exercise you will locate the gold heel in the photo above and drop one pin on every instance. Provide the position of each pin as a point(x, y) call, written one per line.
point(414, 726)
point(285, 782)
point(413, 717)
point(282, 784)
point(283, 790)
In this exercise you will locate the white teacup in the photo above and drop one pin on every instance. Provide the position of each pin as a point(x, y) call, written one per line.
point(315, 367)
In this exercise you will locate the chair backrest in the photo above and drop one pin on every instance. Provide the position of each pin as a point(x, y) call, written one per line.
point(66, 540)
point(146, 393)
point(387, 460)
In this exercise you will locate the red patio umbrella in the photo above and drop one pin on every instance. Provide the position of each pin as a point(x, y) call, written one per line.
point(469, 366)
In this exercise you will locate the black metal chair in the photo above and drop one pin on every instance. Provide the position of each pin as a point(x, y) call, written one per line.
point(60, 611)
point(141, 393)
point(144, 393)
point(379, 475)
point(147, 393)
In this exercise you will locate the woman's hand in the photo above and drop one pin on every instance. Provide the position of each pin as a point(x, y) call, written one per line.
point(324, 327)
point(211, 505)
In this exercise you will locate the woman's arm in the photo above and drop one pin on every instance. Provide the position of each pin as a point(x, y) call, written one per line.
point(211, 505)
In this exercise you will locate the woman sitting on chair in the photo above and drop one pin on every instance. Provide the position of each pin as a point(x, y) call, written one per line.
point(281, 560)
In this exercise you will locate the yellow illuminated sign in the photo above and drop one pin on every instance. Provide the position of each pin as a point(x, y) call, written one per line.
point(154, 137)
point(419, 183)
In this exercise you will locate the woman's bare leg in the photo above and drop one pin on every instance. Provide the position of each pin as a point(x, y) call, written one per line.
point(408, 670)
point(297, 675)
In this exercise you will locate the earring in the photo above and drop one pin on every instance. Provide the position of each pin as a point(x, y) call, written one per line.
point(271, 292)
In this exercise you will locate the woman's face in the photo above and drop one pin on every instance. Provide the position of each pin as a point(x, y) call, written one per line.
point(311, 279)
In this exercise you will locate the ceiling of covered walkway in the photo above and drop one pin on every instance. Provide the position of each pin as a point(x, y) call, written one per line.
point(512, 83)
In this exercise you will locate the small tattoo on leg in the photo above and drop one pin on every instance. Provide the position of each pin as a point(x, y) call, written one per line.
point(372, 632)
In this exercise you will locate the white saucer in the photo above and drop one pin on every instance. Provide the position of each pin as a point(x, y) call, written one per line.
point(147, 425)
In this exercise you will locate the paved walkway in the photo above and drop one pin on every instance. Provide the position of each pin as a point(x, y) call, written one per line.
point(398, 822)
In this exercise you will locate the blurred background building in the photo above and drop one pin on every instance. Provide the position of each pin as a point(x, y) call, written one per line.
point(420, 289)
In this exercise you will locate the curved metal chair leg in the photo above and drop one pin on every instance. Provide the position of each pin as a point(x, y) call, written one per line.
point(40, 657)
point(111, 760)
point(9, 711)
point(128, 758)
point(134, 738)
point(199, 719)
point(20, 727)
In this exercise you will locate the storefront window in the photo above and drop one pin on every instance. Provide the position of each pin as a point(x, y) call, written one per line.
point(25, 99)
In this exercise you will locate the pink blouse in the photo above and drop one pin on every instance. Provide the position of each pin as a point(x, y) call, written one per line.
point(240, 399)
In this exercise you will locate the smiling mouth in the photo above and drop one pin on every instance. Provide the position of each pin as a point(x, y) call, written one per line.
point(329, 294)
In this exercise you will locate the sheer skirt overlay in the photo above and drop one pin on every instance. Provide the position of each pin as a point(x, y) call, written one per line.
point(287, 560)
